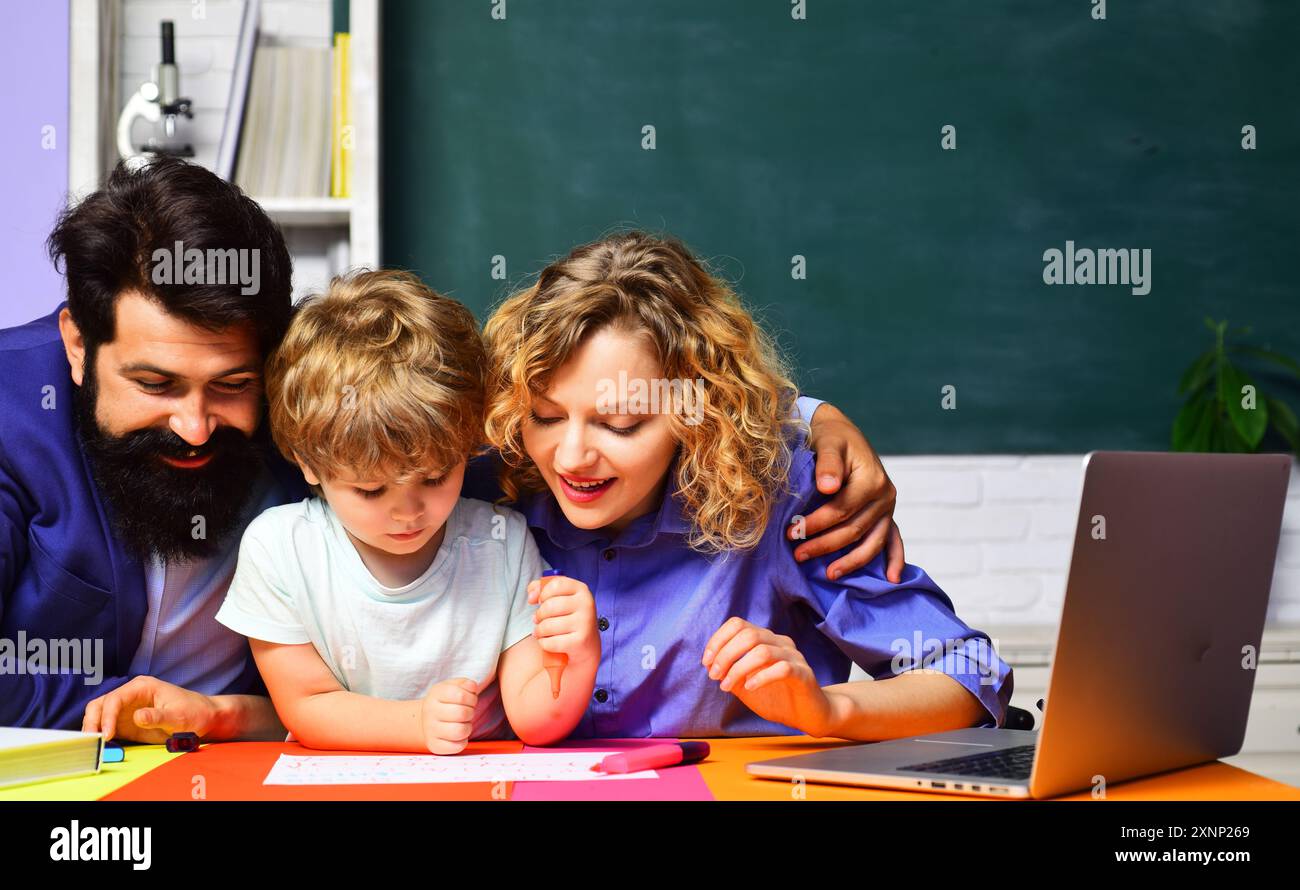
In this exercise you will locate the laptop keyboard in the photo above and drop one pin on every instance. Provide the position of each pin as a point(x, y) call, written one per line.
point(1009, 763)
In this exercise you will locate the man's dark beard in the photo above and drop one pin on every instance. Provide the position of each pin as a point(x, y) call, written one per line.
point(153, 504)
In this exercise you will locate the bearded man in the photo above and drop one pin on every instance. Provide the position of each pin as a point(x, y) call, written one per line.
point(132, 456)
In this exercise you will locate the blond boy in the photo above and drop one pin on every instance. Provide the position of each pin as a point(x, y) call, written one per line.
point(388, 612)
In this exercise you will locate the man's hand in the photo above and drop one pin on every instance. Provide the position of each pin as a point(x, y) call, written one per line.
point(861, 512)
point(146, 709)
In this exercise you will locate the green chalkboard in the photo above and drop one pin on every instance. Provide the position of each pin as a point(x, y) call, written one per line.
point(821, 137)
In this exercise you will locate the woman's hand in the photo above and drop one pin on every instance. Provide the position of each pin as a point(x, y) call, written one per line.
point(861, 512)
point(766, 672)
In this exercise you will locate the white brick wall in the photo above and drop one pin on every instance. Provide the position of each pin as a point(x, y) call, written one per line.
point(995, 533)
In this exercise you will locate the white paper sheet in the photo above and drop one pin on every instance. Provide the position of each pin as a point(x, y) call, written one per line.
point(407, 769)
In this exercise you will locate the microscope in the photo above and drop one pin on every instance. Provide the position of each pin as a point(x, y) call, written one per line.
point(156, 100)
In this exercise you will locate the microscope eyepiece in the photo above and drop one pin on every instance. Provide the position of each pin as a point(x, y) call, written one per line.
point(168, 44)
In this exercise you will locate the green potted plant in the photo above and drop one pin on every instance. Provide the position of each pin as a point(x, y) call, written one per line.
point(1224, 408)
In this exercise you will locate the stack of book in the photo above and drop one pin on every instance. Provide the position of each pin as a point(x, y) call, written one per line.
point(33, 755)
point(287, 132)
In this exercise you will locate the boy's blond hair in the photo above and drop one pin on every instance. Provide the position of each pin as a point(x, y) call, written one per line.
point(379, 376)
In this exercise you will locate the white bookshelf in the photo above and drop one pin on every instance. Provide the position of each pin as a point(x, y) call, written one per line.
point(308, 211)
point(113, 45)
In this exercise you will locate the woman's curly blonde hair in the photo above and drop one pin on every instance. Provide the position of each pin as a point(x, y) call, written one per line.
point(733, 462)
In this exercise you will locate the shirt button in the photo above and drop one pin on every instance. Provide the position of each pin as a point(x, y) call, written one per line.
point(602, 696)
point(603, 623)
point(608, 554)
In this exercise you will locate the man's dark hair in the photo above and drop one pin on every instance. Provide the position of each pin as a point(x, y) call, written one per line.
point(107, 242)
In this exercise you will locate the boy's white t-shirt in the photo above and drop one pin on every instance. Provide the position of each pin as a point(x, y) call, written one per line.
point(299, 579)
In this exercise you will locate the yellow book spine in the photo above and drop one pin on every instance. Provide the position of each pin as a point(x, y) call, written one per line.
point(341, 134)
point(349, 128)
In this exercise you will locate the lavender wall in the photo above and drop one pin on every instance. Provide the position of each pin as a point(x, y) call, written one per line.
point(33, 160)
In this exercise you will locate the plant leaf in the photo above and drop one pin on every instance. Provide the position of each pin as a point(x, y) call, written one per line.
point(1214, 442)
point(1269, 355)
point(1248, 424)
point(1232, 441)
point(1198, 373)
point(1192, 425)
point(1285, 422)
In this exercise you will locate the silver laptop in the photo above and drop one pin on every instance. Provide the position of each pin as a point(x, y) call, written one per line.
point(1168, 587)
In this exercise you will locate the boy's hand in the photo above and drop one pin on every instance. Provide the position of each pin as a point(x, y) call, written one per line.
point(766, 672)
point(566, 618)
point(447, 713)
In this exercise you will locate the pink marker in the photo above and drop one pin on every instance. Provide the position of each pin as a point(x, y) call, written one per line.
point(653, 757)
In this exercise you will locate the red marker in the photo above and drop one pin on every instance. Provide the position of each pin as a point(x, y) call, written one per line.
point(653, 757)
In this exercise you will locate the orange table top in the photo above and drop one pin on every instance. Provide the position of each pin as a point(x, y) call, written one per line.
point(235, 770)
point(725, 774)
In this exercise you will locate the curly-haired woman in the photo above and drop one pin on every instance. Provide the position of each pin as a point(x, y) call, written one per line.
point(646, 426)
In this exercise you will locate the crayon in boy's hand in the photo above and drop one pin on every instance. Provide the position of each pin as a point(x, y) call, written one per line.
point(554, 662)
